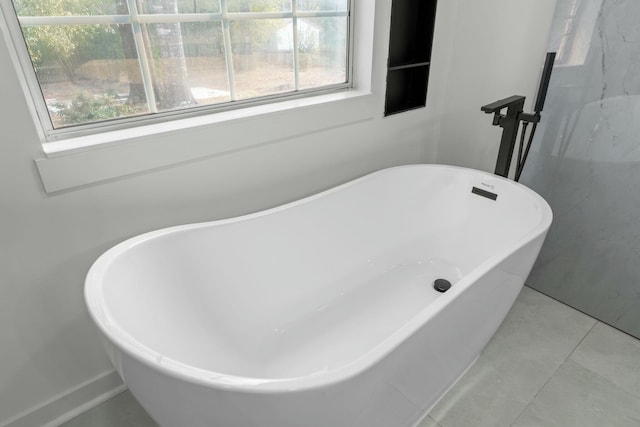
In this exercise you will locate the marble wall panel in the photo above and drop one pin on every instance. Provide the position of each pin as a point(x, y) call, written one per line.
point(585, 160)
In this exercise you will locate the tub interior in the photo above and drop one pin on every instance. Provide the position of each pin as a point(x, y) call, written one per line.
point(310, 287)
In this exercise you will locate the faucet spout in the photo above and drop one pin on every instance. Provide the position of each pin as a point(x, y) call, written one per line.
point(515, 101)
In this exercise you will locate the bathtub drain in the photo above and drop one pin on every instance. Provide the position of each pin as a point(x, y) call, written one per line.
point(441, 285)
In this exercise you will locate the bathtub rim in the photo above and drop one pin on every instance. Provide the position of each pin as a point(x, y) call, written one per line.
point(125, 343)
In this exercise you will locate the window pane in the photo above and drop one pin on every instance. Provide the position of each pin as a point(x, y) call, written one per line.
point(259, 5)
point(89, 68)
point(189, 67)
point(322, 51)
point(70, 7)
point(87, 73)
point(262, 59)
point(324, 5)
point(180, 6)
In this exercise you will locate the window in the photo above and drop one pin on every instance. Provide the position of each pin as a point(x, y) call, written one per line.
point(104, 64)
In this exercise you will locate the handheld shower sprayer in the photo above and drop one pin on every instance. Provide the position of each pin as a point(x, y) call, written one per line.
point(542, 96)
point(544, 81)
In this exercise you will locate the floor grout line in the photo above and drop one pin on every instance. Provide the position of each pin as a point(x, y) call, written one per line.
point(583, 338)
point(437, 423)
point(538, 392)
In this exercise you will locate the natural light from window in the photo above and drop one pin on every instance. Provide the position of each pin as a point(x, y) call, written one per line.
point(97, 61)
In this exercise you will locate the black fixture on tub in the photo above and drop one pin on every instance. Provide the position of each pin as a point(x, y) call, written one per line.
point(510, 122)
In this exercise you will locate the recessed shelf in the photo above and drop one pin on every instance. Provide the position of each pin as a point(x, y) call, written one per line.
point(406, 89)
point(410, 40)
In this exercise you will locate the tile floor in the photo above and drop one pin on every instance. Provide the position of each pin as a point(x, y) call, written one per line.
point(548, 365)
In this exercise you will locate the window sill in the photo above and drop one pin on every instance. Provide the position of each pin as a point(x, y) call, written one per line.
point(92, 159)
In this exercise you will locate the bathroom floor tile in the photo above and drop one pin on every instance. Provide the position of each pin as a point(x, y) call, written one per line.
point(613, 355)
point(535, 339)
point(575, 396)
point(122, 411)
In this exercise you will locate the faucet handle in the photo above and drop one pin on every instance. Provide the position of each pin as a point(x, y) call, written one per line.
point(530, 118)
point(496, 106)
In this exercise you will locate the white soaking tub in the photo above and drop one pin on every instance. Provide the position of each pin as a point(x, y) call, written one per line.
point(321, 312)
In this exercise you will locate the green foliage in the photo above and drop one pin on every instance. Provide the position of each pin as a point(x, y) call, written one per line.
point(64, 7)
point(48, 43)
point(62, 42)
point(85, 109)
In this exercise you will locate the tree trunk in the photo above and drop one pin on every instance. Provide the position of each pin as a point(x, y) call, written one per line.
point(175, 90)
point(136, 87)
point(169, 73)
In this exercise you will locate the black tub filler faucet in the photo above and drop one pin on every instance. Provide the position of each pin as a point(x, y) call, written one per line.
point(510, 123)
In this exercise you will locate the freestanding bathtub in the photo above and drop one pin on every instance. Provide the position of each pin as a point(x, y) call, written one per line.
point(321, 312)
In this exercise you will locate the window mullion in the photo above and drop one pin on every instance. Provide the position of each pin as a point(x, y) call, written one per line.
point(296, 53)
point(228, 54)
point(34, 21)
point(145, 67)
point(179, 18)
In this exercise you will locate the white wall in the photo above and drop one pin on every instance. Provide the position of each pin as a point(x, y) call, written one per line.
point(48, 344)
point(498, 51)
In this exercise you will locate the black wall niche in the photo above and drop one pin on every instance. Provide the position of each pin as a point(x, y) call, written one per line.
point(410, 41)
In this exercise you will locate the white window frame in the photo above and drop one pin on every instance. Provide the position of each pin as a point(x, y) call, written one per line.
point(76, 161)
point(137, 20)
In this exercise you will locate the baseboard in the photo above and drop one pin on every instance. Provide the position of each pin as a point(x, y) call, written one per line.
point(71, 403)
